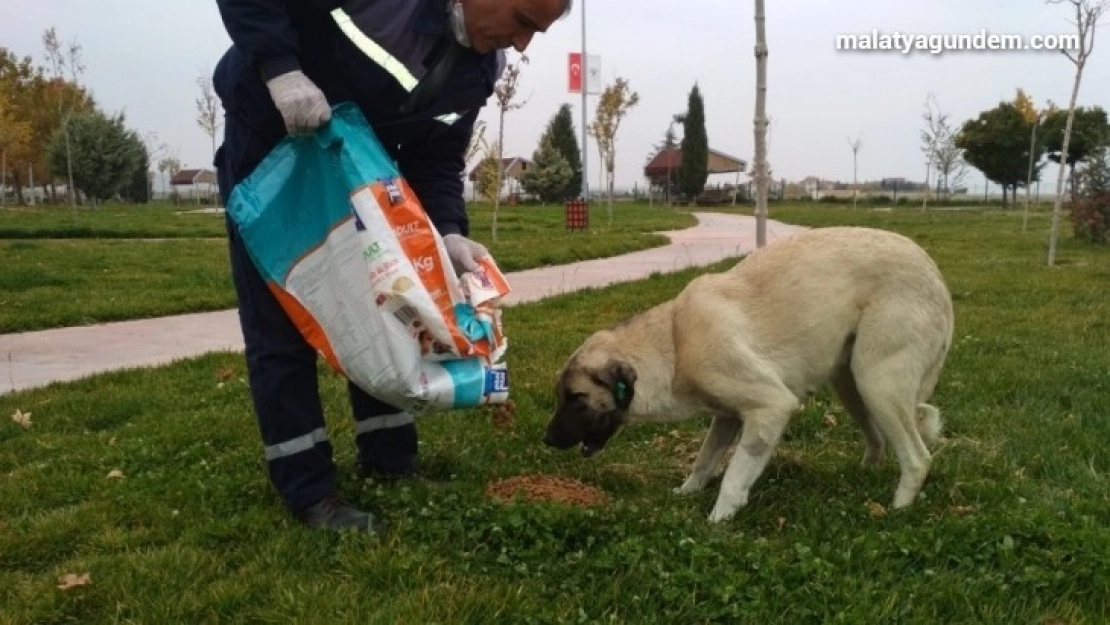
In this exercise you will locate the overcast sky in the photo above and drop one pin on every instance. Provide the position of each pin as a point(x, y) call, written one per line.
point(143, 57)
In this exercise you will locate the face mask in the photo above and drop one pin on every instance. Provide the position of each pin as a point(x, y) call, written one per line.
point(458, 24)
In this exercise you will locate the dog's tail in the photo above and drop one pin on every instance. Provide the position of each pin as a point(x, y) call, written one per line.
point(929, 424)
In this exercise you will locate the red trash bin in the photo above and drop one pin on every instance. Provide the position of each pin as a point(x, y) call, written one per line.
point(577, 214)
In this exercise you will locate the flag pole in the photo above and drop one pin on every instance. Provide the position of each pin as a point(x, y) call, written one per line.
point(585, 177)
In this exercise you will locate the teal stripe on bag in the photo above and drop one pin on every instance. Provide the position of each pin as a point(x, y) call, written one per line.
point(300, 191)
point(469, 377)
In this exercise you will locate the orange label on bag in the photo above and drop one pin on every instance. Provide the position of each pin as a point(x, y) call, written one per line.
point(415, 233)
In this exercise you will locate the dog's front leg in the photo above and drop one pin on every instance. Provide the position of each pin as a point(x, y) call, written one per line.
point(762, 429)
point(721, 433)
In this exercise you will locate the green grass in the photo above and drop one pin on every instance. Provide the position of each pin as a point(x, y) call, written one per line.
point(129, 263)
point(156, 220)
point(1012, 528)
point(53, 283)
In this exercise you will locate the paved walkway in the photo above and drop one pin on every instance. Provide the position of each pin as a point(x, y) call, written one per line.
point(34, 359)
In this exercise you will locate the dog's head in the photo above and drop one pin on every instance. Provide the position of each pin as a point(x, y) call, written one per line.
point(594, 393)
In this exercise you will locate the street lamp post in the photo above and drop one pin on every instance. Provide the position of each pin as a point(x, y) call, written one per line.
point(585, 88)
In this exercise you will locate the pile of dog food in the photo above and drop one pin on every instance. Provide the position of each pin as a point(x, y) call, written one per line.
point(503, 416)
point(536, 488)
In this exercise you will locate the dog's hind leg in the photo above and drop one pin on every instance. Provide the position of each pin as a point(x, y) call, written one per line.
point(889, 389)
point(845, 385)
point(763, 425)
point(929, 423)
point(722, 432)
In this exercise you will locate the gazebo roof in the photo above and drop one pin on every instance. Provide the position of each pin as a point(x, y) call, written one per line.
point(670, 159)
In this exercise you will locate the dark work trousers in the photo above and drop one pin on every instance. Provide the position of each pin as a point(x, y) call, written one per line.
point(282, 369)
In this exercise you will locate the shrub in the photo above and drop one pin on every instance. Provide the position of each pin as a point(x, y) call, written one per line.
point(1090, 212)
point(1090, 217)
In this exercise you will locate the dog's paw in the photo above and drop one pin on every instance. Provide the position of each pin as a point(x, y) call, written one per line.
point(873, 458)
point(690, 486)
point(719, 514)
point(727, 505)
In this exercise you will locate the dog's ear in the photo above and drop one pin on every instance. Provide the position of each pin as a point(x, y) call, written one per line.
point(621, 378)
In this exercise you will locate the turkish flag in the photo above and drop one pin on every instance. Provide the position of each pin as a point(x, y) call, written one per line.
point(574, 72)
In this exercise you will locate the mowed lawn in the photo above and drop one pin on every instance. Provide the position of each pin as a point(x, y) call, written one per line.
point(115, 263)
point(152, 483)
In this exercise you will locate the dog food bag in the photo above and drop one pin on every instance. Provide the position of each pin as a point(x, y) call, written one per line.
point(350, 254)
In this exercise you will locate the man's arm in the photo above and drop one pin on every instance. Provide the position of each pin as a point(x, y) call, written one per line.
point(263, 31)
point(434, 170)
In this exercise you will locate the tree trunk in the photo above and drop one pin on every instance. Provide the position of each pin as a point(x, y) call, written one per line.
point(500, 170)
point(1058, 204)
point(1029, 176)
point(855, 180)
point(69, 171)
point(760, 124)
point(925, 195)
point(609, 166)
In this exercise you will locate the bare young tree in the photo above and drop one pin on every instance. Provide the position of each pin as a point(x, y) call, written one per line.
point(155, 150)
point(760, 164)
point(855, 144)
point(208, 108)
point(1039, 118)
point(169, 166)
point(65, 58)
point(477, 141)
point(615, 102)
point(505, 93)
point(942, 156)
point(1087, 14)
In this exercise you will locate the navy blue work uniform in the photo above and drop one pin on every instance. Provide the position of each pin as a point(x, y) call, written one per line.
point(373, 53)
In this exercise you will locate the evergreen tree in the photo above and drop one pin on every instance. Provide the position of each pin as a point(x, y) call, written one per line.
point(561, 131)
point(548, 175)
point(104, 154)
point(138, 187)
point(695, 147)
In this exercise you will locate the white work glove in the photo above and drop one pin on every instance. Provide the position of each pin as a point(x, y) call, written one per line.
point(301, 103)
point(464, 253)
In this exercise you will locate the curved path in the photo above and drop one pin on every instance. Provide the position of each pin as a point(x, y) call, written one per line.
point(32, 359)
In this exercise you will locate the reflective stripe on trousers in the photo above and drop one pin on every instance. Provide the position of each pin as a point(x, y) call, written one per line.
point(383, 422)
point(320, 435)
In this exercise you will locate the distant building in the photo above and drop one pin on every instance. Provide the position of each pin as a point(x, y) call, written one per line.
point(511, 169)
point(198, 184)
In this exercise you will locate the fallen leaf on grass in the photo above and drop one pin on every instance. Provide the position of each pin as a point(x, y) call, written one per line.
point(781, 523)
point(223, 374)
point(876, 510)
point(115, 474)
point(961, 510)
point(22, 419)
point(70, 581)
point(830, 419)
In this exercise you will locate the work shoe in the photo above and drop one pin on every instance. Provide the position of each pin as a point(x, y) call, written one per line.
point(333, 513)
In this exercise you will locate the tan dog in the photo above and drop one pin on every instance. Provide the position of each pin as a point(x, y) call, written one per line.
point(864, 309)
